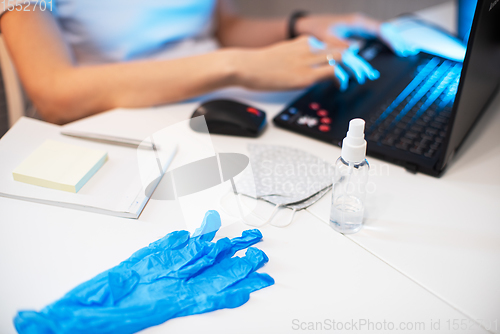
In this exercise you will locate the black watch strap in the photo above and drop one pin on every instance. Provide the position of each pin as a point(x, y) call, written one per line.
point(292, 33)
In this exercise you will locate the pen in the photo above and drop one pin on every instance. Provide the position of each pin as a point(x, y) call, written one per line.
point(111, 139)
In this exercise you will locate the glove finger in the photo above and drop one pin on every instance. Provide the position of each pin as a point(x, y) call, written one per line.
point(182, 263)
point(122, 283)
point(174, 240)
point(231, 297)
point(213, 253)
point(92, 292)
point(247, 239)
point(187, 262)
point(30, 322)
point(209, 227)
point(190, 260)
point(172, 254)
point(239, 293)
point(228, 271)
point(223, 249)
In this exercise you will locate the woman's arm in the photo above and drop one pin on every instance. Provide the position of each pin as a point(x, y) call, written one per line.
point(63, 92)
point(234, 30)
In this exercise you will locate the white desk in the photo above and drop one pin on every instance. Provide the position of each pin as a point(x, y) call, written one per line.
point(429, 251)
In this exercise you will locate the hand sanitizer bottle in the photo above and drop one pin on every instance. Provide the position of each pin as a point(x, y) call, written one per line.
point(349, 183)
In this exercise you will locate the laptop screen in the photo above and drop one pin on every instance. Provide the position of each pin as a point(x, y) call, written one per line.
point(466, 9)
point(481, 72)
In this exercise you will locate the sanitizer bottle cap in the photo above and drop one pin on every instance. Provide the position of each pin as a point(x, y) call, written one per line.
point(354, 144)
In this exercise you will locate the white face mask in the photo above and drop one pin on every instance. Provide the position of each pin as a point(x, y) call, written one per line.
point(286, 177)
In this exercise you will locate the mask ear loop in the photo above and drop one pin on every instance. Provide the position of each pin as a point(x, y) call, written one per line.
point(289, 222)
point(271, 216)
point(242, 216)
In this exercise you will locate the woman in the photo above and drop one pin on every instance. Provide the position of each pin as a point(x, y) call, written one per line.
point(84, 57)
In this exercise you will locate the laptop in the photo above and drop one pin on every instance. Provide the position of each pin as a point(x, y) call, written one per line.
point(420, 110)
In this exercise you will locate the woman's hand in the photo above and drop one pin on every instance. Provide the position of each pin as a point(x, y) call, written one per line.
point(300, 63)
point(285, 65)
point(323, 27)
point(336, 30)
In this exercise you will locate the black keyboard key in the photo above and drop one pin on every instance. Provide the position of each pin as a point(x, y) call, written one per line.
point(442, 134)
point(401, 125)
point(435, 146)
point(397, 131)
point(404, 122)
point(407, 141)
point(430, 153)
point(431, 132)
point(420, 122)
point(387, 122)
point(438, 140)
point(441, 119)
point(402, 146)
point(414, 109)
point(424, 143)
point(445, 114)
point(430, 113)
point(375, 136)
point(417, 128)
point(389, 141)
point(428, 137)
point(416, 150)
point(406, 119)
point(411, 135)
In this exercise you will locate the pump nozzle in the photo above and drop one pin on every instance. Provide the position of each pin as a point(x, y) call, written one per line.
point(354, 144)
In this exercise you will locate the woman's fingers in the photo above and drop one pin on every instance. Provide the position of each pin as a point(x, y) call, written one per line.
point(292, 65)
point(325, 57)
point(335, 42)
point(328, 72)
point(324, 72)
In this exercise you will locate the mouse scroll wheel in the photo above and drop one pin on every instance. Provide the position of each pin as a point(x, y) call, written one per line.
point(253, 111)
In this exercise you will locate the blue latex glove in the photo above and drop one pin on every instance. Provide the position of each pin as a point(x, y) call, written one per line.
point(388, 34)
point(359, 68)
point(175, 276)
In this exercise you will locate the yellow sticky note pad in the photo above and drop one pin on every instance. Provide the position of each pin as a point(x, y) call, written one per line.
point(60, 166)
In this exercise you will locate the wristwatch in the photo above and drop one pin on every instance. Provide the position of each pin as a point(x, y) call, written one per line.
point(292, 33)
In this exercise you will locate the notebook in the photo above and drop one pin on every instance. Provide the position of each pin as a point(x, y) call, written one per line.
point(115, 189)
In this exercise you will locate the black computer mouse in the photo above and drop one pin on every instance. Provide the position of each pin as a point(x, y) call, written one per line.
point(230, 117)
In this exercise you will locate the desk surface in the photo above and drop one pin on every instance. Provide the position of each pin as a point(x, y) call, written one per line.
point(429, 251)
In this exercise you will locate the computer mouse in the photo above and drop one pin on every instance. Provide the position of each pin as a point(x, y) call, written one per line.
point(229, 117)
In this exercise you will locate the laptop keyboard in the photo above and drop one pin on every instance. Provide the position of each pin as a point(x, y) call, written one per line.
point(417, 119)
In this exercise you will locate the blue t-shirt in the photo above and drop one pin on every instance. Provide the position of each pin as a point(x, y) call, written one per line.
point(102, 31)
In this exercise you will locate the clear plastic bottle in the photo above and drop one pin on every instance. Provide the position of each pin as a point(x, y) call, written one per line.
point(349, 184)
